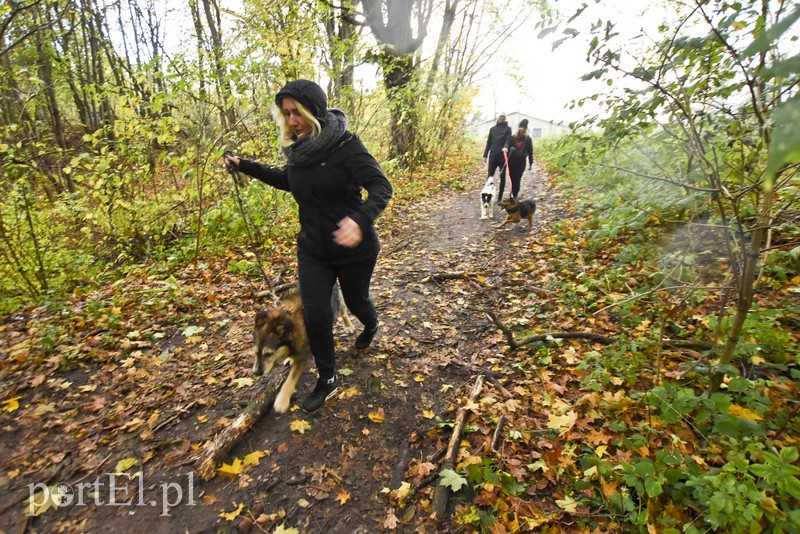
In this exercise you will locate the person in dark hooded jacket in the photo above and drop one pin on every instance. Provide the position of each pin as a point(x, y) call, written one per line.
point(498, 135)
point(327, 168)
point(519, 148)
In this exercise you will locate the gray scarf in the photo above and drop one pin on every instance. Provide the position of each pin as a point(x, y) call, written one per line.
point(310, 149)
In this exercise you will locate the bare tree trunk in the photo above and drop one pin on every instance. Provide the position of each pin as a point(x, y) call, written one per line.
point(227, 114)
point(46, 75)
point(341, 42)
point(444, 38)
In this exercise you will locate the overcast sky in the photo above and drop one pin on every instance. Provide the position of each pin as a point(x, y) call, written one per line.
point(551, 78)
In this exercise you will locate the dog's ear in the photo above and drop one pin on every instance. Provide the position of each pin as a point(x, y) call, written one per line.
point(261, 319)
point(284, 324)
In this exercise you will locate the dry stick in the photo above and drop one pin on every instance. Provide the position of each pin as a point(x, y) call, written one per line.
point(223, 442)
point(442, 494)
point(543, 337)
point(442, 277)
point(498, 432)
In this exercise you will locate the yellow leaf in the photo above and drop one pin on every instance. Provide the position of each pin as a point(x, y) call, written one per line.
point(254, 457)
point(568, 504)
point(300, 426)
point(562, 422)
point(280, 529)
point(202, 418)
point(243, 381)
point(49, 497)
point(472, 406)
point(342, 496)
point(349, 393)
point(42, 409)
point(231, 469)
point(428, 414)
point(743, 413)
point(376, 417)
point(402, 492)
point(125, 464)
point(230, 516)
point(12, 404)
point(419, 379)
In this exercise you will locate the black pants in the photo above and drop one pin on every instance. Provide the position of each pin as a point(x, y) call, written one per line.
point(316, 284)
point(497, 161)
point(516, 166)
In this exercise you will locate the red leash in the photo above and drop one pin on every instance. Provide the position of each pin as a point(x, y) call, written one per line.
point(508, 171)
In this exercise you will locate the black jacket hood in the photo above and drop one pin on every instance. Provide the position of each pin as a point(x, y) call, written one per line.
point(307, 93)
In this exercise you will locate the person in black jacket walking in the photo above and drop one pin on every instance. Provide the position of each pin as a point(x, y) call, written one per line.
point(520, 148)
point(327, 169)
point(498, 135)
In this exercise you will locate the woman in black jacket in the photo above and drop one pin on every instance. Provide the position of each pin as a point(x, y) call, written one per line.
point(519, 148)
point(327, 169)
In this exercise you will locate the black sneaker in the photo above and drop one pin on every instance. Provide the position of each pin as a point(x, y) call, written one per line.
point(364, 339)
point(323, 391)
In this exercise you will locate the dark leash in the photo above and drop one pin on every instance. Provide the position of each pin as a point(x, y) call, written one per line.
point(249, 226)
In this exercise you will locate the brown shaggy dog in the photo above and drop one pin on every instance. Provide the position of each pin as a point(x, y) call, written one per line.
point(280, 333)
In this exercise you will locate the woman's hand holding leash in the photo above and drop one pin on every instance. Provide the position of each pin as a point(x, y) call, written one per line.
point(231, 162)
point(348, 234)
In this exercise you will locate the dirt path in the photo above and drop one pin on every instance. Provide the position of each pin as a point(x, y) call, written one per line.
point(325, 472)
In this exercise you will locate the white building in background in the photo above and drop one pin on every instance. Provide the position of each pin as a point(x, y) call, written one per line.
point(536, 127)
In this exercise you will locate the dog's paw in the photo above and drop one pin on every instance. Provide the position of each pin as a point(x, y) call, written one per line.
point(281, 403)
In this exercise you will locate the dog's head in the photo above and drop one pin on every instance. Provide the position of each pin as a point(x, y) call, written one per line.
point(509, 204)
point(271, 331)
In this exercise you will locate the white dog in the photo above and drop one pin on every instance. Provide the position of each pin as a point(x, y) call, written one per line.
point(487, 196)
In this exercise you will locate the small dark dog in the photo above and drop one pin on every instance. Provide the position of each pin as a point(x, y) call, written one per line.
point(280, 334)
point(518, 210)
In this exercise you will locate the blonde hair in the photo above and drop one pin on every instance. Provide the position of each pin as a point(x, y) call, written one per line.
point(287, 136)
point(522, 131)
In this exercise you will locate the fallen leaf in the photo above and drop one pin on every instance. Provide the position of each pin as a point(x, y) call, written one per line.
point(192, 330)
point(125, 464)
point(242, 382)
point(342, 496)
point(562, 422)
point(50, 497)
point(254, 457)
point(299, 426)
point(391, 521)
point(232, 469)
point(230, 516)
point(12, 404)
point(568, 504)
point(377, 417)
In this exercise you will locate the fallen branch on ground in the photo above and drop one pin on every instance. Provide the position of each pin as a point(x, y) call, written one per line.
point(223, 442)
point(514, 345)
point(443, 277)
point(442, 494)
